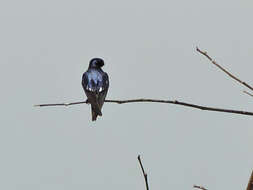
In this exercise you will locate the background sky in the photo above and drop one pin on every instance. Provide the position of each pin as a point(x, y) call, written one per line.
point(149, 52)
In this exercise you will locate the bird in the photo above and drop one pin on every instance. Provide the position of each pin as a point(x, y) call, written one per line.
point(95, 83)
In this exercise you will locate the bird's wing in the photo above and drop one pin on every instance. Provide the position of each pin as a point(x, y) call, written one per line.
point(85, 80)
point(103, 89)
point(103, 83)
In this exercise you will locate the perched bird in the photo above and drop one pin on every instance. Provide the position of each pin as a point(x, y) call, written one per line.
point(95, 83)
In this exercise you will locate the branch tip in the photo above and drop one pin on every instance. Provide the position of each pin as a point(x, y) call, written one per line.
point(224, 70)
point(143, 172)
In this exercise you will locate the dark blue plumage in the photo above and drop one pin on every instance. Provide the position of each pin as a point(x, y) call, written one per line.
point(95, 83)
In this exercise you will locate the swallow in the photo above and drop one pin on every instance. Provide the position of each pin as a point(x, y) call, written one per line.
point(95, 83)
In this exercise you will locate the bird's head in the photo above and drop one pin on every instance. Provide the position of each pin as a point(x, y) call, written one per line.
point(96, 63)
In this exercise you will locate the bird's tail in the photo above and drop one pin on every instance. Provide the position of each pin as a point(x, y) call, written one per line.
point(95, 111)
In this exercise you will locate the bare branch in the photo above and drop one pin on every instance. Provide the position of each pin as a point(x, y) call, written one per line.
point(248, 93)
point(224, 70)
point(144, 173)
point(158, 101)
point(61, 104)
point(199, 187)
point(250, 184)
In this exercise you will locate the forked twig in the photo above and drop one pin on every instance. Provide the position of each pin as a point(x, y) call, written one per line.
point(223, 69)
point(144, 173)
point(159, 101)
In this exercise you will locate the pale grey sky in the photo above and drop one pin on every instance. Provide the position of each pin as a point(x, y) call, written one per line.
point(149, 51)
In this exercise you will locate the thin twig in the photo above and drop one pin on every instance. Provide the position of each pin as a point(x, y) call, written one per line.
point(61, 104)
point(199, 187)
point(144, 173)
point(248, 93)
point(224, 70)
point(250, 184)
point(159, 101)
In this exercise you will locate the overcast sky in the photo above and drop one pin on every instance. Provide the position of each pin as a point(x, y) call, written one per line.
point(149, 52)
